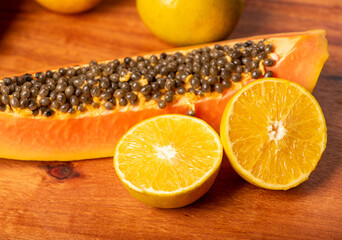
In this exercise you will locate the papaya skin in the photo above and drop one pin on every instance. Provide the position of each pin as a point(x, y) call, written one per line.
point(300, 58)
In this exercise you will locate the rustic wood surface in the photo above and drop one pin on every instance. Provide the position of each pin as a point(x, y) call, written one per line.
point(85, 199)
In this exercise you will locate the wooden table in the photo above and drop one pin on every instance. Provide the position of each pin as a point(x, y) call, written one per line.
point(85, 199)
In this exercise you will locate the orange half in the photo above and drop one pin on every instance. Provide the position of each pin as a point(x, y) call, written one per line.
point(274, 133)
point(168, 161)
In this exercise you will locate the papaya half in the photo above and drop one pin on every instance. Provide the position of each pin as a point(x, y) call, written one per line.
point(80, 112)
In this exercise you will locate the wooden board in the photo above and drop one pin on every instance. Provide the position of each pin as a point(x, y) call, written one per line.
point(85, 199)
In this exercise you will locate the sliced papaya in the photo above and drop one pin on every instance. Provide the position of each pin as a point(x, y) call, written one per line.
point(80, 112)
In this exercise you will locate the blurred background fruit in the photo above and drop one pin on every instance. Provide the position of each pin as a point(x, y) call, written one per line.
point(187, 22)
point(68, 6)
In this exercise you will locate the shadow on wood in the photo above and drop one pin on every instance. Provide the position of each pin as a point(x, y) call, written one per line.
point(8, 12)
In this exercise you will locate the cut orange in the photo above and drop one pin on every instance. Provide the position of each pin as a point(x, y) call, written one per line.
point(274, 133)
point(168, 161)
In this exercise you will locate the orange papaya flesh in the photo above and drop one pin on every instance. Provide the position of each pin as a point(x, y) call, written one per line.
point(298, 57)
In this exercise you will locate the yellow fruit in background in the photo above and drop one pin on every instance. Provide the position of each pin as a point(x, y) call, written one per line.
point(68, 6)
point(187, 22)
point(274, 133)
point(168, 161)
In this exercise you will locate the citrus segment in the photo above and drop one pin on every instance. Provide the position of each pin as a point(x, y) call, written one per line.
point(168, 161)
point(274, 133)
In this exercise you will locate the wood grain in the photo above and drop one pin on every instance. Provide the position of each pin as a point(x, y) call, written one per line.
point(85, 200)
